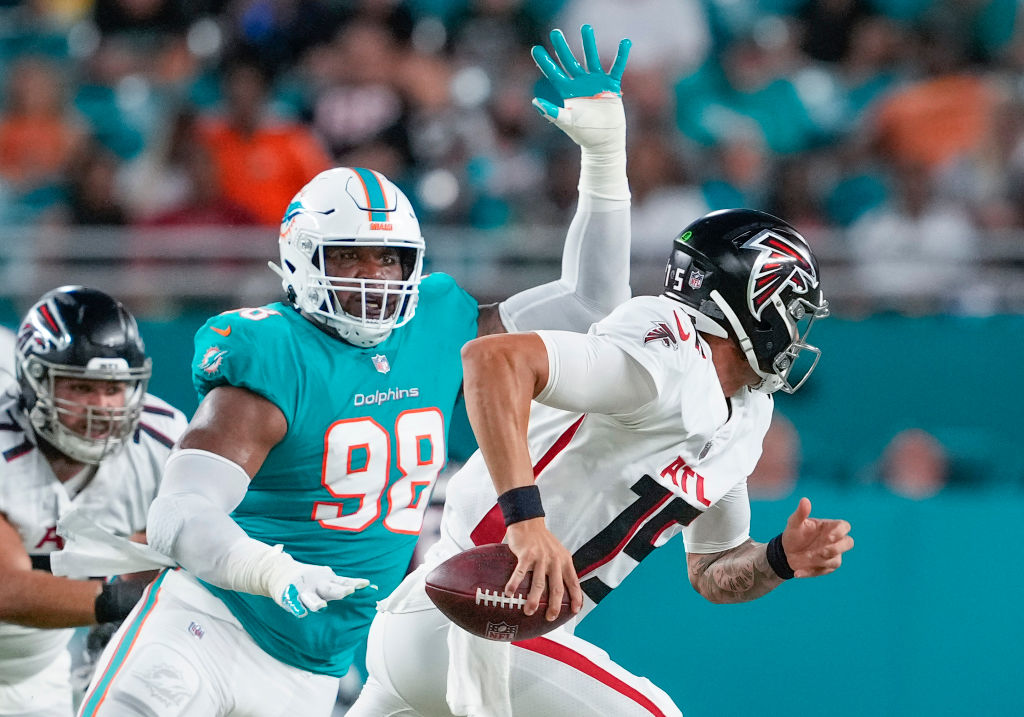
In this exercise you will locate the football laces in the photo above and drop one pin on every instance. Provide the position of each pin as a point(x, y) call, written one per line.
point(499, 599)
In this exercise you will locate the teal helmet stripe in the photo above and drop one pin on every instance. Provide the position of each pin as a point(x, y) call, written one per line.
point(376, 202)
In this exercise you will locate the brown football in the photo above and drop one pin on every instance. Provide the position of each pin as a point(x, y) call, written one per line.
point(469, 588)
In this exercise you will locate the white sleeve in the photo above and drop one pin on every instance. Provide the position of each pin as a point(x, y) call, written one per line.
point(591, 374)
point(724, 525)
point(595, 273)
point(189, 521)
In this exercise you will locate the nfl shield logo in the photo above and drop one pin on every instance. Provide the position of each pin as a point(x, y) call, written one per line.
point(501, 631)
point(380, 362)
point(696, 278)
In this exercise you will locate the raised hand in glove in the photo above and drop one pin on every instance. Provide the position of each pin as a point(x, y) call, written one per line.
point(592, 114)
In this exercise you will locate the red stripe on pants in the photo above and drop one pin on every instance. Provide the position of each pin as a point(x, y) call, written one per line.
point(561, 653)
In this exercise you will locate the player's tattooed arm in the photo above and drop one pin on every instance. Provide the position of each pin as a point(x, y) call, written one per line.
point(739, 574)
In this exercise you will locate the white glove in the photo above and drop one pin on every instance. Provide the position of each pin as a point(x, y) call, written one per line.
point(300, 588)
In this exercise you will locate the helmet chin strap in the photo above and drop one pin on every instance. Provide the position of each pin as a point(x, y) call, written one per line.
point(704, 323)
point(277, 270)
point(770, 383)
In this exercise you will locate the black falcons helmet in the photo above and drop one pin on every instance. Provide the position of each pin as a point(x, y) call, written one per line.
point(747, 274)
point(77, 333)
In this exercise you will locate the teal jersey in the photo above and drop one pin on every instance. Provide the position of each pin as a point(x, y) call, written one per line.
point(348, 485)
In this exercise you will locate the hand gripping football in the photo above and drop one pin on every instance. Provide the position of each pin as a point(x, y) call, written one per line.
point(469, 588)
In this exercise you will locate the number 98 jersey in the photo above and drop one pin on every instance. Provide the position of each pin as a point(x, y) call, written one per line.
point(348, 485)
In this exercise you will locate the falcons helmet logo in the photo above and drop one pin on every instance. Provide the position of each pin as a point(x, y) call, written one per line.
point(45, 327)
point(781, 263)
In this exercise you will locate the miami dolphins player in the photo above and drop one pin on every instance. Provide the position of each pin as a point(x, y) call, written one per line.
point(305, 472)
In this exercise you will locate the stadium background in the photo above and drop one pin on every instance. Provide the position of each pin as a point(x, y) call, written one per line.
point(891, 133)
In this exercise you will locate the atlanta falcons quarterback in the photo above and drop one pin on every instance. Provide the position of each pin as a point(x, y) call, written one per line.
point(645, 427)
point(77, 432)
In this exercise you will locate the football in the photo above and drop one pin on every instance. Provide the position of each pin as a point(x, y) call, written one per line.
point(469, 588)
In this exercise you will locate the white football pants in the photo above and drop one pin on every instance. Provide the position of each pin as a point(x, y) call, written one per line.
point(556, 675)
point(181, 653)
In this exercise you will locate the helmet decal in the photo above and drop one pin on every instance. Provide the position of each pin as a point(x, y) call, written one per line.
point(696, 279)
point(45, 327)
point(781, 263)
point(373, 200)
point(296, 206)
point(350, 207)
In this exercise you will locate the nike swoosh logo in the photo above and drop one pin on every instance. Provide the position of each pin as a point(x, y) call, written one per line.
point(222, 332)
point(679, 325)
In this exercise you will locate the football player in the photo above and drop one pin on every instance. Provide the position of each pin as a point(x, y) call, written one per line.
point(304, 475)
point(645, 427)
point(77, 432)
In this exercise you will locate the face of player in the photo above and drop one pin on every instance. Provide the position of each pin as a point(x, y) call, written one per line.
point(365, 262)
point(85, 406)
point(734, 372)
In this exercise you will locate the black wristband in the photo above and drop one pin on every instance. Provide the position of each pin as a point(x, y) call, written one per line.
point(777, 558)
point(518, 504)
point(117, 599)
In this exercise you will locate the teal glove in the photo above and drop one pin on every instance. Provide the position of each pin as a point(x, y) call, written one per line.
point(593, 116)
point(575, 81)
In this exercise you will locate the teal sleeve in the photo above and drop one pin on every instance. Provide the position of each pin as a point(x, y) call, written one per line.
point(235, 349)
point(460, 310)
point(461, 440)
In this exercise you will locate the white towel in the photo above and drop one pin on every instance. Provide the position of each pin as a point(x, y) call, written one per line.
point(90, 551)
point(478, 675)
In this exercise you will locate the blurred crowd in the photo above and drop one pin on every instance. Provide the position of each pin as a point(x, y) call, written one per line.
point(914, 464)
point(898, 122)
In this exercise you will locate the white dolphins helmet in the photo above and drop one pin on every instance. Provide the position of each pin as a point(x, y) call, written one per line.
point(350, 207)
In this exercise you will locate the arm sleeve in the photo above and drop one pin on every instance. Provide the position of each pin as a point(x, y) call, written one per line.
point(233, 350)
point(591, 374)
point(595, 273)
point(724, 525)
point(189, 521)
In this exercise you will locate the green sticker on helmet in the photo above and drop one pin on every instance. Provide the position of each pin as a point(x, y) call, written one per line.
point(686, 236)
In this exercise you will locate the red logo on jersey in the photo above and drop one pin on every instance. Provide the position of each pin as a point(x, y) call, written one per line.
point(51, 537)
point(781, 263)
point(662, 332)
point(679, 325)
point(678, 472)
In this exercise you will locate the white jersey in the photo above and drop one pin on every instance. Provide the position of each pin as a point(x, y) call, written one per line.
point(32, 500)
point(616, 486)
